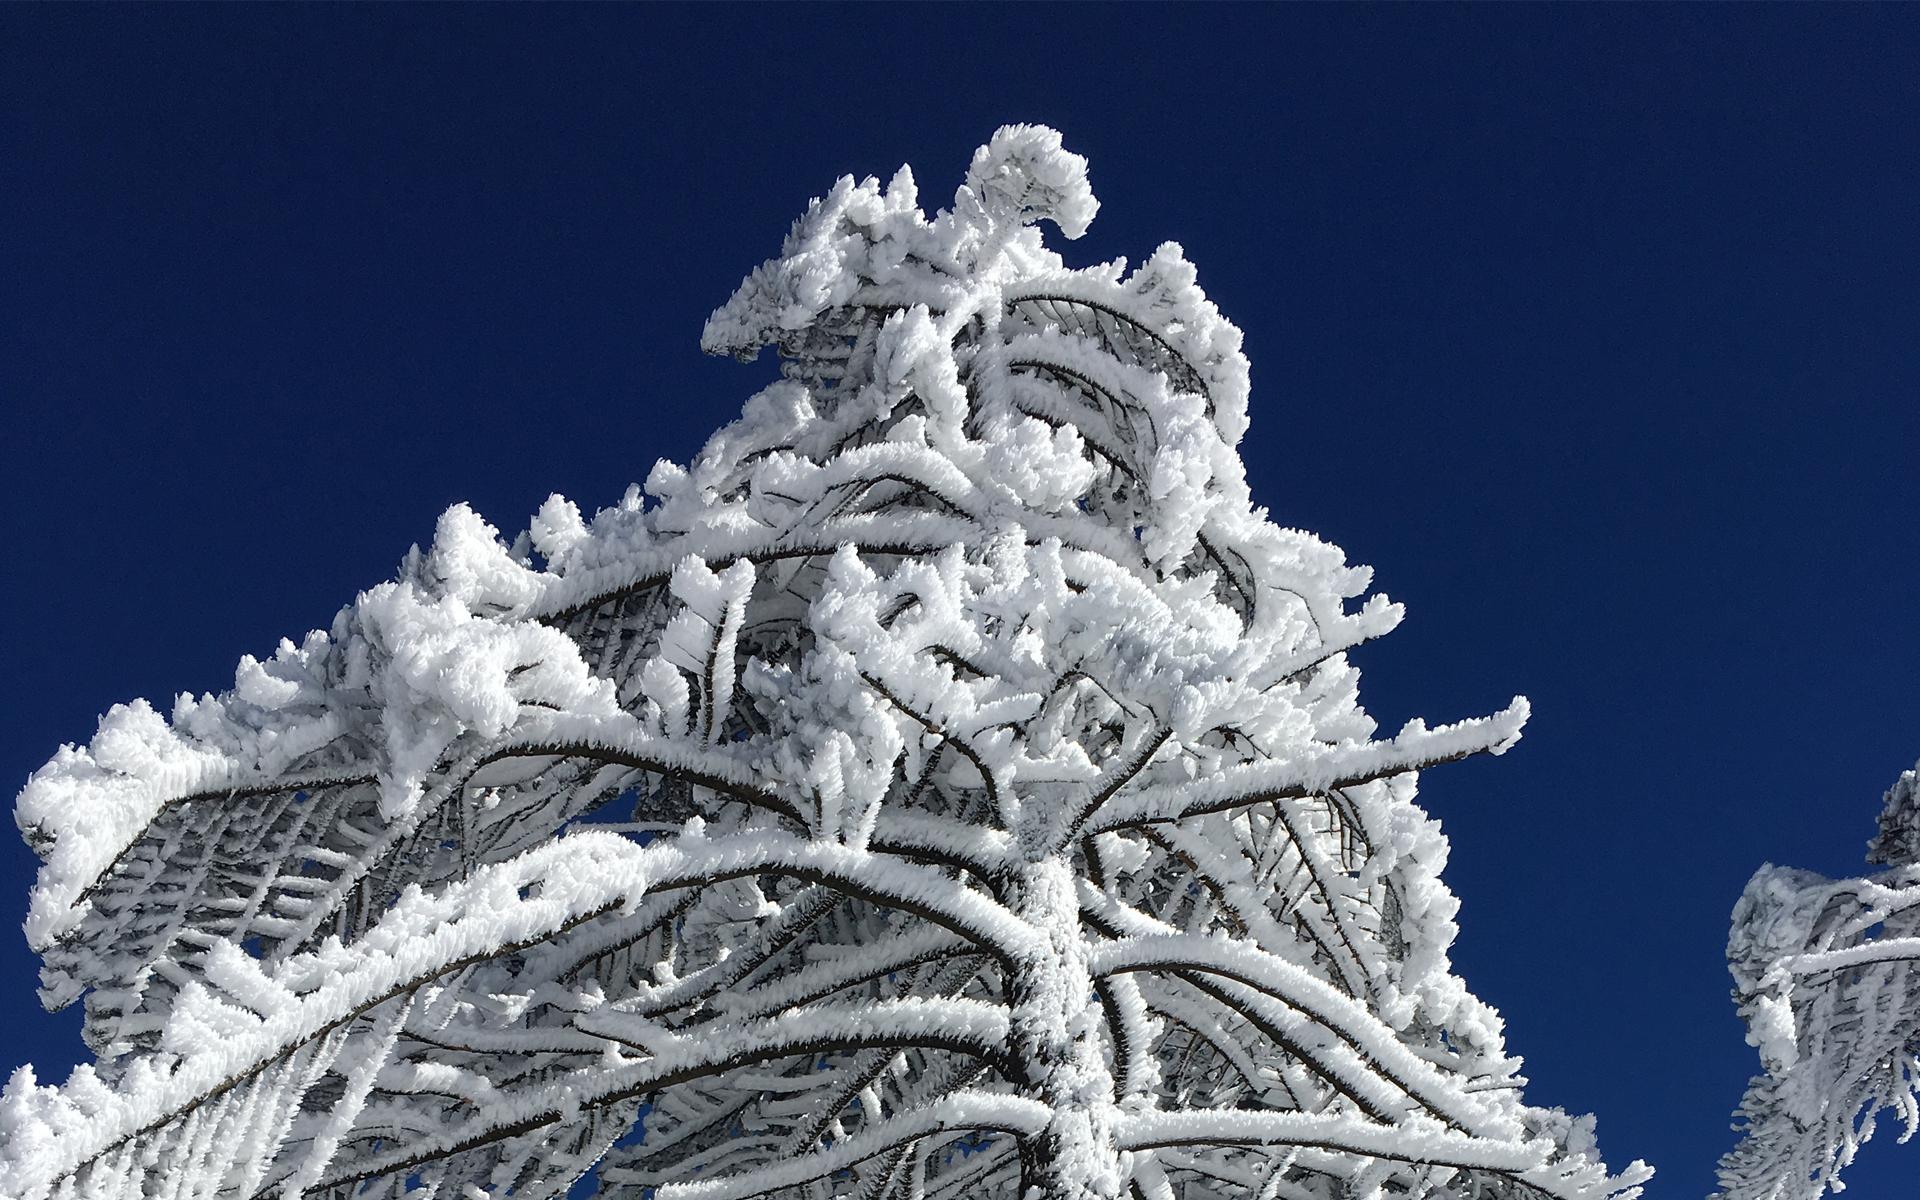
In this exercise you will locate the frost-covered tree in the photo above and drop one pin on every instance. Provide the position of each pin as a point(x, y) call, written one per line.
point(1827, 976)
point(948, 786)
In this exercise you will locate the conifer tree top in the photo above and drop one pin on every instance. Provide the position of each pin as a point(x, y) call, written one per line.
point(947, 784)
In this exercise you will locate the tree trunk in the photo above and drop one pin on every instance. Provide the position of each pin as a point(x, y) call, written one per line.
point(1054, 1040)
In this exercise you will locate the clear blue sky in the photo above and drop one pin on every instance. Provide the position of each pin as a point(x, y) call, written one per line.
point(1595, 329)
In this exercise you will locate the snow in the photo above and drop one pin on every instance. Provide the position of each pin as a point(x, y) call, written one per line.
point(948, 773)
point(1825, 977)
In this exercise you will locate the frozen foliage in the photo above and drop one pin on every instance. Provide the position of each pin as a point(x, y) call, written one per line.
point(1827, 976)
point(947, 786)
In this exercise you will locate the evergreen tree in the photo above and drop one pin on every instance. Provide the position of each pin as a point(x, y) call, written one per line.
point(948, 785)
point(1827, 976)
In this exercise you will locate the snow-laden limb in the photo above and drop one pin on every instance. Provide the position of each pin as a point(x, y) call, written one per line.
point(1228, 1127)
point(962, 1111)
point(946, 785)
point(1321, 769)
point(1827, 976)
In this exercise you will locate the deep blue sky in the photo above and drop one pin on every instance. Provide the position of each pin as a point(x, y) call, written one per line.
point(1593, 329)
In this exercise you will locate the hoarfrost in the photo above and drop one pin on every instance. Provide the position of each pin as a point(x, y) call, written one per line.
point(1825, 976)
point(948, 784)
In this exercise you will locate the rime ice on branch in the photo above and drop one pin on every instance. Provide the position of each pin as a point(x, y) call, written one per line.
point(1827, 976)
point(947, 786)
